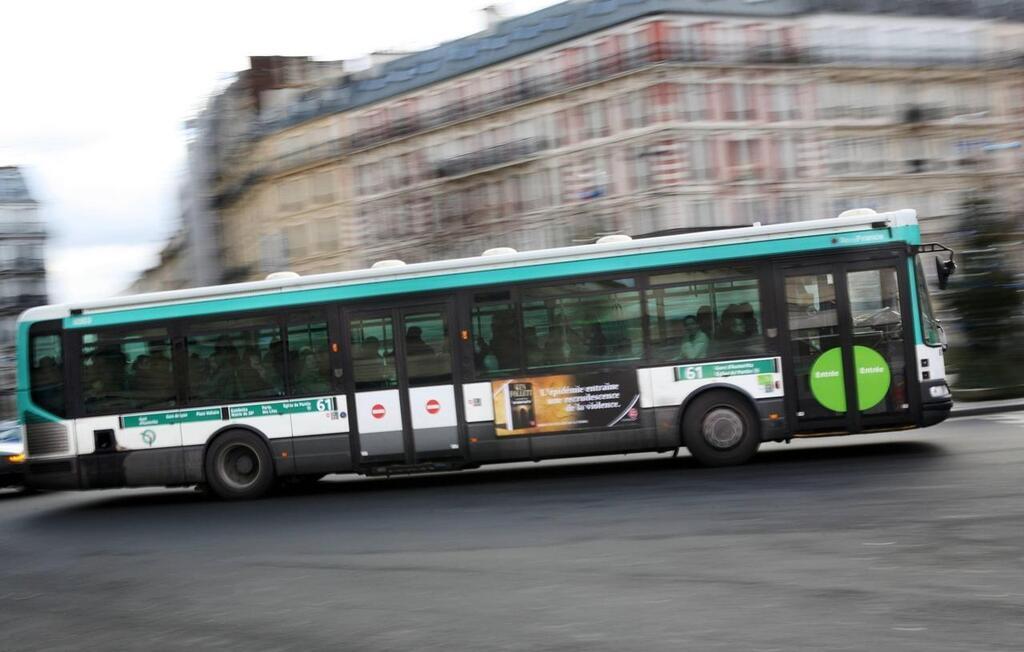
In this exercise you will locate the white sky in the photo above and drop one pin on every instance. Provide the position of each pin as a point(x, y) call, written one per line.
point(95, 95)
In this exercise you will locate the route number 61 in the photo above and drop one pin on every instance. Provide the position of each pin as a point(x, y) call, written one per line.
point(323, 405)
point(693, 373)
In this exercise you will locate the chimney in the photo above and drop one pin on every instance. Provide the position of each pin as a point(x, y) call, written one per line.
point(492, 16)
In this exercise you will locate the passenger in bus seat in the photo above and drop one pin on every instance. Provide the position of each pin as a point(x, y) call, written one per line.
point(312, 372)
point(675, 334)
point(252, 379)
point(738, 330)
point(501, 351)
point(695, 341)
point(273, 364)
point(222, 379)
point(595, 343)
point(414, 344)
point(706, 320)
point(371, 370)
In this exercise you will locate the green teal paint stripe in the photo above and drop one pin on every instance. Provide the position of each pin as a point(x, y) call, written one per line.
point(21, 369)
point(508, 275)
point(274, 408)
point(280, 407)
point(915, 310)
point(170, 418)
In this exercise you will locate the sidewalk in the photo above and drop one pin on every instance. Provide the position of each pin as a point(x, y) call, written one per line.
point(974, 408)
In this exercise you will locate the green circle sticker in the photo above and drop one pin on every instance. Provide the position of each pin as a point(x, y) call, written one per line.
point(872, 376)
point(827, 380)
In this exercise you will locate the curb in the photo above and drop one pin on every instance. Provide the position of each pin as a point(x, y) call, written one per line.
point(985, 409)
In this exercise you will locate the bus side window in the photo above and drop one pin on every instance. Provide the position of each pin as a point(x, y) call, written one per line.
point(495, 338)
point(584, 329)
point(308, 356)
point(241, 359)
point(680, 322)
point(46, 373)
point(125, 372)
point(701, 316)
point(739, 318)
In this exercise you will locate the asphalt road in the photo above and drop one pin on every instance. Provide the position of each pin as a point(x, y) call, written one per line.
point(905, 541)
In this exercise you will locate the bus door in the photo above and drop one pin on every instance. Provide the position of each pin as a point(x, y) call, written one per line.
point(405, 400)
point(846, 368)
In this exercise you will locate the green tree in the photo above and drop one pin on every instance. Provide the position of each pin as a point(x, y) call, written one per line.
point(985, 296)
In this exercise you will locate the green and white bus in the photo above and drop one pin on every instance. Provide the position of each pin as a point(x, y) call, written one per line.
point(715, 341)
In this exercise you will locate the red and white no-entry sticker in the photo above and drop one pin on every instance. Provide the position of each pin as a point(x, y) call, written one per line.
point(433, 407)
point(378, 411)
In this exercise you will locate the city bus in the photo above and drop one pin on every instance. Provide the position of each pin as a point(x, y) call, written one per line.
point(713, 341)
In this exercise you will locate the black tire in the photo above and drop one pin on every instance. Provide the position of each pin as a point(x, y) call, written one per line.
point(721, 429)
point(238, 466)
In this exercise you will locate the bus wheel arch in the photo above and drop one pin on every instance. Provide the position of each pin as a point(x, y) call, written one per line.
point(238, 464)
point(719, 425)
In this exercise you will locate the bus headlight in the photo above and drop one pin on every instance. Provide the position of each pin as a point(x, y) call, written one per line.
point(16, 459)
point(938, 391)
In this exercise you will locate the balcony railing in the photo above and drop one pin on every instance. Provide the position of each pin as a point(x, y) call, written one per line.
point(491, 156)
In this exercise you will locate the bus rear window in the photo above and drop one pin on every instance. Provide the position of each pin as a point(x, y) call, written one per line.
point(46, 373)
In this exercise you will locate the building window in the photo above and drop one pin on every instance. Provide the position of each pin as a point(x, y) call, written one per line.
point(700, 159)
point(323, 186)
point(694, 102)
point(595, 120)
point(740, 102)
point(785, 102)
point(744, 159)
point(298, 246)
point(327, 235)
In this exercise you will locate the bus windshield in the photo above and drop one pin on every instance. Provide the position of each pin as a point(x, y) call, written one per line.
point(930, 326)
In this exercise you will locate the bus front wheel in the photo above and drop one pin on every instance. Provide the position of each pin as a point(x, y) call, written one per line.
point(721, 429)
point(238, 466)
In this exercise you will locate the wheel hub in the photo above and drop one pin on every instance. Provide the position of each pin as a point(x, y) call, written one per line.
point(240, 465)
point(722, 428)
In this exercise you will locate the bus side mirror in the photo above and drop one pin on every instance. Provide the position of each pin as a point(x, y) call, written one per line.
point(944, 269)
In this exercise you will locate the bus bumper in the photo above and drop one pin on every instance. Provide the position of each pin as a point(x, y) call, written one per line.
point(772, 414)
point(91, 472)
point(936, 402)
point(52, 474)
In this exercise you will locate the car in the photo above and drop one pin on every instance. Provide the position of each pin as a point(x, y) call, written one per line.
point(12, 455)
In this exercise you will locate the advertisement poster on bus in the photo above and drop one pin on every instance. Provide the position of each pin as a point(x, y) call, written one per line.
point(526, 406)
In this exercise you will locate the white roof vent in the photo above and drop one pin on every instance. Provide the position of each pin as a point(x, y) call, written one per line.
point(857, 212)
point(613, 239)
point(280, 276)
point(391, 262)
point(499, 251)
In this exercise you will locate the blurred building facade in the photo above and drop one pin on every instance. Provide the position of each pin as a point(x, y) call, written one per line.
point(608, 116)
point(22, 269)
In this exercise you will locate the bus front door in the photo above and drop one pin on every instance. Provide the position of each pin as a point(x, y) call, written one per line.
point(847, 344)
point(402, 381)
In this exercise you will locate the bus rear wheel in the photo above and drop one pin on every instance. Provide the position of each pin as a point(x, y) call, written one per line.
point(721, 429)
point(239, 467)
